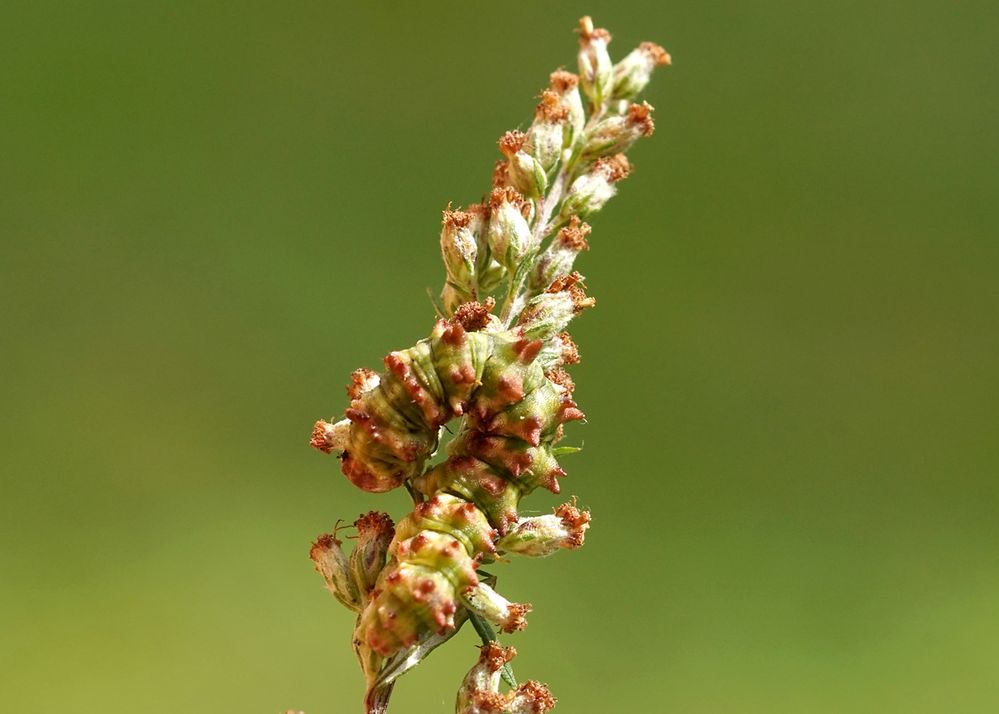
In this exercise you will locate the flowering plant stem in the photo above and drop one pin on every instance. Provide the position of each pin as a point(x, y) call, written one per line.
point(414, 583)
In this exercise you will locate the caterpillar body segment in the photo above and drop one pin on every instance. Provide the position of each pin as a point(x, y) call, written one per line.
point(513, 413)
point(492, 378)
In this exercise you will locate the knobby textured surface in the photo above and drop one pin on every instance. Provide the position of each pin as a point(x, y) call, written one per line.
point(209, 211)
point(504, 375)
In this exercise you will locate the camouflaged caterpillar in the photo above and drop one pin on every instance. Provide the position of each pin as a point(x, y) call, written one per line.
point(413, 584)
point(514, 409)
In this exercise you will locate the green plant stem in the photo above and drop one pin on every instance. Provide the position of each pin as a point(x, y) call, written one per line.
point(377, 700)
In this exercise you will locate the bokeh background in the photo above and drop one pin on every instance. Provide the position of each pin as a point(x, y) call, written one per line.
point(210, 213)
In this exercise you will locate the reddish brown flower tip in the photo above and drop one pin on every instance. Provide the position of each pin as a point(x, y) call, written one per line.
point(505, 194)
point(550, 108)
point(494, 655)
point(570, 352)
point(374, 523)
point(455, 219)
point(657, 53)
point(490, 702)
point(562, 81)
point(576, 522)
point(324, 542)
point(573, 236)
point(322, 434)
point(615, 168)
point(516, 618)
point(474, 316)
point(560, 377)
point(360, 382)
point(500, 175)
point(640, 115)
point(512, 142)
point(572, 284)
point(537, 695)
point(564, 282)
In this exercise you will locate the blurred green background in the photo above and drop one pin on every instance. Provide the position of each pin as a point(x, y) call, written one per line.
point(210, 213)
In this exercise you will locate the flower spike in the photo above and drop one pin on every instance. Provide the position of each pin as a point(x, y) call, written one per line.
point(495, 360)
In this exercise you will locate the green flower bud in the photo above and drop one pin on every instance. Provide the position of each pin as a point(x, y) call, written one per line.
point(521, 170)
point(459, 250)
point(374, 533)
point(549, 313)
point(633, 73)
point(592, 190)
point(546, 137)
point(596, 72)
point(541, 536)
point(557, 259)
point(616, 133)
point(506, 615)
point(330, 437)
point(332, 564)
point(566, 86)
point(483, 678)
point(508, 234)
point(527, 175)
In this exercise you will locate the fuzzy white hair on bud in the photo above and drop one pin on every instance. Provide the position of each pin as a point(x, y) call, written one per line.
point(508, 235)
point(527, 175)
point(587, 195)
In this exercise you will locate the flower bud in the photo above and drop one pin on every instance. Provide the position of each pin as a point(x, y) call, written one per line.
point(558, 349)
point(546, 137)
point(634, 72)
point(508, 616)
point(374, 533)
point(541, 536)
point(596, 72)
point(531, 697)
point(522, 171)
point(479, 692)
point(566, 86)
point(548, 314)
point(330, 437)
point(557, 259)
point(592, 190)
point(508, 234)
point(587, 195)
point(332, 564)
point(527, 175)
point(484, 677)
point(458, 247)
point(362, 380)
point(616, 133)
